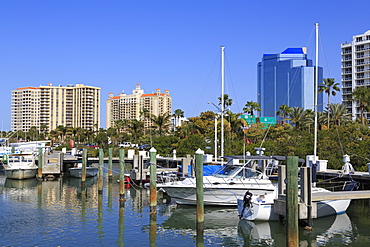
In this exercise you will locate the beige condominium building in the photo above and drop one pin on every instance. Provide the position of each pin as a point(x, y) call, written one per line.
point(355, 70)
point(50, 106)
point(132, 106)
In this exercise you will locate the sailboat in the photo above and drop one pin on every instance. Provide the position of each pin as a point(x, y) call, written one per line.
point(261, 207)
point(224, 186)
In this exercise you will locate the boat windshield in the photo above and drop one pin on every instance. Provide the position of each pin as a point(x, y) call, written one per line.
point(236, 171)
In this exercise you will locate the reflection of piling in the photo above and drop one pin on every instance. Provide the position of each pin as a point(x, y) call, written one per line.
point(110, 170)
point(292, 201)
point(153, 180)
point(100, 215)
point(84, 163)
point(40, 161)
point(121, 224)
point(121, 175)
point(153, 230)
point(100, 174)
point(200, 203)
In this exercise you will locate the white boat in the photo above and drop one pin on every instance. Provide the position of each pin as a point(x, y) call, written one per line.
point(76, 172)
point(19, 166)
point(226, 185)
point(261, 207)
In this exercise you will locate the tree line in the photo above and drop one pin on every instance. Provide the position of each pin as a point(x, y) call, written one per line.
point(338, 133)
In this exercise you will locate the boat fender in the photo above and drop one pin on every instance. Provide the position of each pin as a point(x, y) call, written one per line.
point(5, 159)
point(247, 201)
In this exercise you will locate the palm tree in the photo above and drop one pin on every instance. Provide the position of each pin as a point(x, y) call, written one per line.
point(339, 113)
point(135, 127)
point(227, 101)
point(297, 116)
point(361, 95)
point(161, 122)
point(61, 132)
point(177, 114)
point(251, 106)
point(119, 124)
point(283, 112)
point(330, 87)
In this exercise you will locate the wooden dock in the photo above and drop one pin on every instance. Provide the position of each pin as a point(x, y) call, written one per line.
point(341, 195)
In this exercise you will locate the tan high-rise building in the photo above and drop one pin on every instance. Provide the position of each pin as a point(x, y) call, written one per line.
point(50, 106)
point(355, 70)
point(131, 106)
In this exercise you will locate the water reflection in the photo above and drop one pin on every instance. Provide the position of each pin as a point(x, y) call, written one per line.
point(328, 229)
point(64, 213)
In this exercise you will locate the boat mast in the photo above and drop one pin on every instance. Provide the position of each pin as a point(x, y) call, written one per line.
point(315, 89)
point(222, 100)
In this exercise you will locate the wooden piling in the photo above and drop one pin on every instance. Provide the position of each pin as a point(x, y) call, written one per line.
point(84, 164)
point(100, 174)
point(153, 179)
point(200, 199)
point(40, 162)
point(121, 175)
point(292, 201)
point(110, 164)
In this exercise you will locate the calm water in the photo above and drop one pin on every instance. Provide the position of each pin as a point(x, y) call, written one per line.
point(59, 213)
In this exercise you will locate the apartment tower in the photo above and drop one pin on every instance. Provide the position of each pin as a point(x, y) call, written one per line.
point(133, 106)
point(287, 78)
point(50, 106)
point(355, 70)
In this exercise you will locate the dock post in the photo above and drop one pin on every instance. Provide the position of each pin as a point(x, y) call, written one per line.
point(84, 163)
point(153, 179)
point(40, 163)
point(100, 174)
point(292, 201)
point(153, 196)
point(200, 199)
point(110, 172)
point(121, 175)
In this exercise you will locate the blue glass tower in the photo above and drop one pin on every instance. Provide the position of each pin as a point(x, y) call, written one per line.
point(287, 78)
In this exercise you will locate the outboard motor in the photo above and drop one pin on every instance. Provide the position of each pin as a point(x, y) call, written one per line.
point(246, 202)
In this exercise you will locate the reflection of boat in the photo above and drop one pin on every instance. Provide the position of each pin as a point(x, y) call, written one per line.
point(273, 233)
point(227, 184)
point(20, 184)
point(76, 182)
point(262, 207)
point(19, 166)
point(184, 217)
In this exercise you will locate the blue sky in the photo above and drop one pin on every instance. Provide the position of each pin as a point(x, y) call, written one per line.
point(174, 45)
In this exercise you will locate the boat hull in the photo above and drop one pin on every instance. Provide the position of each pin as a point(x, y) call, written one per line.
point(221, 195)
point(77, 172)
point(265, 211)
point(19, 173)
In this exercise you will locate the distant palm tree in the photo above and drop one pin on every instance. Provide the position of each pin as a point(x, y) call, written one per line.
point(227, 101)
point(361, 95)
point(297, 116)
point(177, 114)
point(135, 127)
point(330, 87)
point(251, 106)
point(339, 114)
point(283, 112)
point(161, 122)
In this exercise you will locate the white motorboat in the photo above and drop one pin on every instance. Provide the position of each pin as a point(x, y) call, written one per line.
point(19, 166)
point(261, 207)
point(76, 171)
point(227, 184)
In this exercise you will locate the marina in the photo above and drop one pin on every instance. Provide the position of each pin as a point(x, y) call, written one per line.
point(61, 212)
